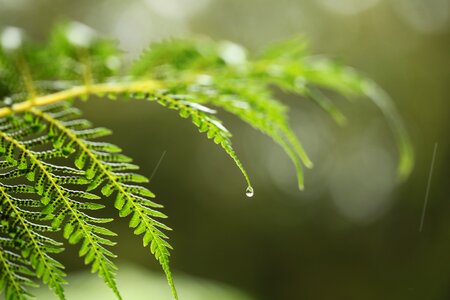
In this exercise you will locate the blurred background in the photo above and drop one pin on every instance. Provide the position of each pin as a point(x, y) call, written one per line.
point(354, 232)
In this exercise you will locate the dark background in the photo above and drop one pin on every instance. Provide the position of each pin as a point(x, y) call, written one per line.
point(354, 232)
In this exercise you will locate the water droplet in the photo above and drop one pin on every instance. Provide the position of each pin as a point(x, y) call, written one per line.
point(249, 192)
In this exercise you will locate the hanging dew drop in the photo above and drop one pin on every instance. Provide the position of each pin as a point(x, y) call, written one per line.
point(249, 192)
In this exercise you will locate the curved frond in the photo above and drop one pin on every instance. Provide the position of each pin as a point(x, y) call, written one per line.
point(221, 74)
point(202, 117)
point(256, 107)
point(300, 73)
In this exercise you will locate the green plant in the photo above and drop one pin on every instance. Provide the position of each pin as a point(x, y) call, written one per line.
point(54, 171)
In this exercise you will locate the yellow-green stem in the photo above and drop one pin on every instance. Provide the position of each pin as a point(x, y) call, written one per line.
point(78, 91)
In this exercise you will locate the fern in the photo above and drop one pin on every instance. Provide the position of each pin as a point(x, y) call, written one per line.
point(56, 170)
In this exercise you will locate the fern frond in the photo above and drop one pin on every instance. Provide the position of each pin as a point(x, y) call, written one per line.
point(256, 107)
point(20, 221)
point(27, 239)
point(108, 171)
point(221, 74)
point(317, 71)
point(14, 272)
point(57, 167)
point(202, 117)
point(61, 204)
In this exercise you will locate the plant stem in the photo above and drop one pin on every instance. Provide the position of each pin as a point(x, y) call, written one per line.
point(78, 91)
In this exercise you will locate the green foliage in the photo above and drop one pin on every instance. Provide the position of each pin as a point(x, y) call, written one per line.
point(56, 170)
